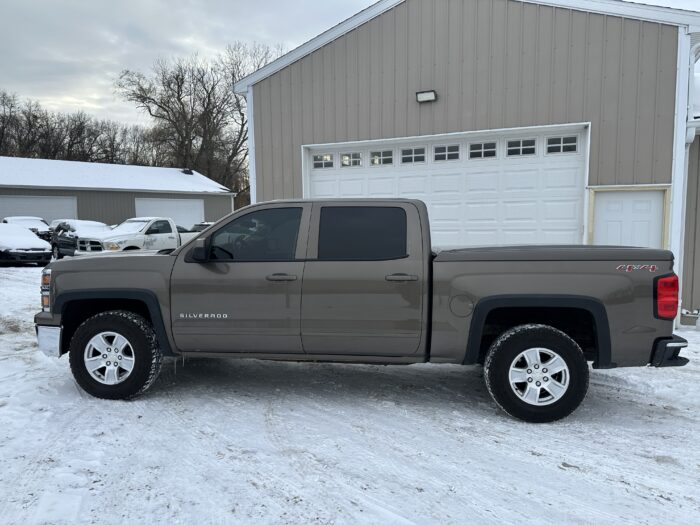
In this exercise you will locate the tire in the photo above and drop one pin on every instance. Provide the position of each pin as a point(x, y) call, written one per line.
point(517, 377)
point(100, 333)
point(56, 252)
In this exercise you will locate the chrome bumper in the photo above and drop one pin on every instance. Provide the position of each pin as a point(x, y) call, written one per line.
point(49, 339)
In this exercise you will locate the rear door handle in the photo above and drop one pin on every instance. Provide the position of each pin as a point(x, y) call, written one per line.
point(401, 277)
point(276, 277)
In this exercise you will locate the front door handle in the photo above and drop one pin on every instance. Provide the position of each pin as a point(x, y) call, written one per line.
point(276, 277)
point(401, 277)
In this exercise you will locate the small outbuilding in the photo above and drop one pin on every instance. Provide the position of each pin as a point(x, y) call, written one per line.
point(109, 193)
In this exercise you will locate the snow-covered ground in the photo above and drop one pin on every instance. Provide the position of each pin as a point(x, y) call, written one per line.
point(249, 442)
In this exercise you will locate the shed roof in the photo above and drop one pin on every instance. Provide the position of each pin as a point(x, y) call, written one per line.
point(40, 173)
point(651, 10)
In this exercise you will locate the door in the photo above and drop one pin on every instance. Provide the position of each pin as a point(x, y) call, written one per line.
point(523, 186)
point(364, 281)
point(160, 236)
point(48, 208)
point(629, 218)
point(185, 212)
point(247, 297)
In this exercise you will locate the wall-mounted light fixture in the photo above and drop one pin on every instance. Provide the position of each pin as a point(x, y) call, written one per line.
point(426, 96)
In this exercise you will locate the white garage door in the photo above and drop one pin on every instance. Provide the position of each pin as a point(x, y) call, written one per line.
point(48, 208)
point(517, 187)
point(185, 212)
point(629, 218)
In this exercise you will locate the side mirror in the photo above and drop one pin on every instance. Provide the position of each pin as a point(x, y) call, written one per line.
point(200, 252)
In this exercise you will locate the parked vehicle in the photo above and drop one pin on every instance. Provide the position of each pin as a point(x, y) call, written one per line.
point(358, 281)
point(20, 245)
point(140, 233)
point(66, 234)
point(201, 226)
point(36, 224)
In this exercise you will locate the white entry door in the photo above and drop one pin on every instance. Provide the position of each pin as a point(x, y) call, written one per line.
point(629, 218)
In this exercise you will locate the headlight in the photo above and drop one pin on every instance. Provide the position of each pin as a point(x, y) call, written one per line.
point(112, 246)
point(46, 290)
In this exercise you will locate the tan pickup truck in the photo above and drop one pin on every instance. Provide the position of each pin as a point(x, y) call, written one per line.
point(358, 281)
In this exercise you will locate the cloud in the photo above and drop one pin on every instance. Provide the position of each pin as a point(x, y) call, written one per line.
point(67, 54)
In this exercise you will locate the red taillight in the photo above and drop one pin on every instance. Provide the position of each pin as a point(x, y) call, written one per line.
point(666, 294)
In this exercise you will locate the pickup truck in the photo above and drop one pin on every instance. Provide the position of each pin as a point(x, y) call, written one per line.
point(140, 233)
point(357, 281)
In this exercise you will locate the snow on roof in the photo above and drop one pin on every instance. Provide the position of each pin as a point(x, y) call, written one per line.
point(91, 175)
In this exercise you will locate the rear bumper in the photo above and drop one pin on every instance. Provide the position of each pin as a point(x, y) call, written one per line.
point(666, 352)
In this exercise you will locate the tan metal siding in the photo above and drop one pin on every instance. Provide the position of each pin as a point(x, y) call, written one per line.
point(691, 251)
point(112, 207)
point(494, 64)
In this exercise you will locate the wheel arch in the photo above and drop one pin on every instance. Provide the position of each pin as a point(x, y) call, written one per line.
point(76, 307)
point(489, 307)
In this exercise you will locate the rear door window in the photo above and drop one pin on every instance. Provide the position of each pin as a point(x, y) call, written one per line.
point(362, 233)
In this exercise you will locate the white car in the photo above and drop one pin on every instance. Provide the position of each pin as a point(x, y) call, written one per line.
point(20, 245)
point(140, 233)
point(36, 224)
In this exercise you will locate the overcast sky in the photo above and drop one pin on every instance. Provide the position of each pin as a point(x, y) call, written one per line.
point(67, 53)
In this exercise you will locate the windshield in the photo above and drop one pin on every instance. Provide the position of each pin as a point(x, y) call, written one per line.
point(129, 227)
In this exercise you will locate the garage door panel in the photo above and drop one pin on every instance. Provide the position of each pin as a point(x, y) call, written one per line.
point(185, 212)
point(47, 207)
point(486, 201)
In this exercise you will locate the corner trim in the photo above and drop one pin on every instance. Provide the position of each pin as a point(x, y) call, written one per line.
point(252, 175)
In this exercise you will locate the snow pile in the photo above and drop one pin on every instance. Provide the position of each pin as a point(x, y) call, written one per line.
point(220, 441)
point(14, 237)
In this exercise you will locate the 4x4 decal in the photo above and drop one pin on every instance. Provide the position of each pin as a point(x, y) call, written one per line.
point(638, 267)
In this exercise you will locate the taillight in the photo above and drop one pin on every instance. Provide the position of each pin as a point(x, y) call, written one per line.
point(666, 297)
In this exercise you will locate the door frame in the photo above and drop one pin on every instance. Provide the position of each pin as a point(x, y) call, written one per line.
point(665, 188)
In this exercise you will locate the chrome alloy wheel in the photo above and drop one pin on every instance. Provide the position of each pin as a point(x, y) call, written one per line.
point(539, 376)
point(109, 358)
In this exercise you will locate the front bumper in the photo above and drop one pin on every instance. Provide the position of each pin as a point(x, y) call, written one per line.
point(27, 256)
point(49, 339)
point(666, 352)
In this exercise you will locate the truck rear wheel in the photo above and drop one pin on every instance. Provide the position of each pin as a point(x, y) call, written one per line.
point(536, 373)
point(115, 355)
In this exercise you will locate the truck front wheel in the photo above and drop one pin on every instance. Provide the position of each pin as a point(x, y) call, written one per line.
point(115, 355)
point(536, 373)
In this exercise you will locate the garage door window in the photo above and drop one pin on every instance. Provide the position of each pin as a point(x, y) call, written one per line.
point(323, 161)
point(348, 160)
point(447, 152)
point(381, 158)
point(352, 233)
point(482, 150)
point(521, 147)
point(412, 155)
point(562, 144)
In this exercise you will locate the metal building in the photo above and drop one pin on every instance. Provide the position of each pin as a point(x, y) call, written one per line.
point(109, 193)
point(534, 121)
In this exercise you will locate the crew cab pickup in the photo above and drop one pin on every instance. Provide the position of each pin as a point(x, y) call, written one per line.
point(140, 233)
point(357, 281)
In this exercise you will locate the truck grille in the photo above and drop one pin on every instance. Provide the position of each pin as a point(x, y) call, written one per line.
point(89, 246)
